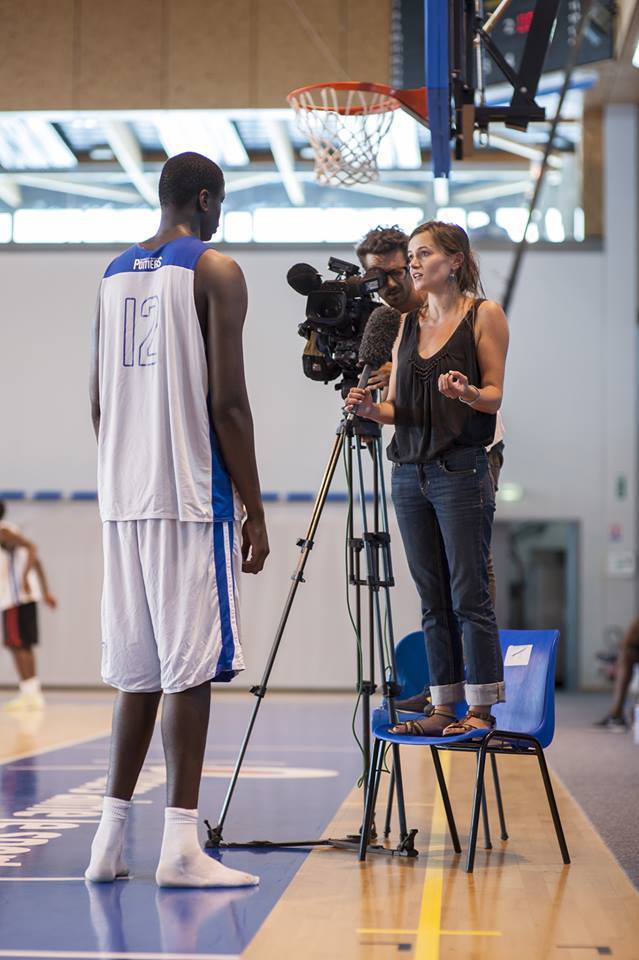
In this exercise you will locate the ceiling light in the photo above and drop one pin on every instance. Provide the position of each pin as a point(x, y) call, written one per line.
point(441, 192)
point(33, 144)
point(202, 132)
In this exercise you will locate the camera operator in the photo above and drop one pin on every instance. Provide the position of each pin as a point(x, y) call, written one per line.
point(445, 390)
point(387, 248)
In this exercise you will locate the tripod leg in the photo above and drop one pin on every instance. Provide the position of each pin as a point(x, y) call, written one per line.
point(371, 796)
point(389, 804)
point(306, 545)
point(500, 805)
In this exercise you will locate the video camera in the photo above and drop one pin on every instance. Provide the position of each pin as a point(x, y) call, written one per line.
point(336, 313)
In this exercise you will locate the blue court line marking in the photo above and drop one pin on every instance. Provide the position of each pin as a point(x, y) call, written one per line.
point(135, 919)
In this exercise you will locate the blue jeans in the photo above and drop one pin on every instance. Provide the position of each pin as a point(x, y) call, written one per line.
point(445, 512)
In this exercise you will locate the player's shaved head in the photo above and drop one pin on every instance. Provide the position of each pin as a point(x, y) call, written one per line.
point(185, 175)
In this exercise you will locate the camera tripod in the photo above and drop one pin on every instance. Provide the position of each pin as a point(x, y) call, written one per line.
point(374, 543)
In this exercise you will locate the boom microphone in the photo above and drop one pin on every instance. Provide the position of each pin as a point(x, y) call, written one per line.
point(379, 336)
point(303, 278)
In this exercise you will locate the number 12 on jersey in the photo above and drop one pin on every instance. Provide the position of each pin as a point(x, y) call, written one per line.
point(140, 332)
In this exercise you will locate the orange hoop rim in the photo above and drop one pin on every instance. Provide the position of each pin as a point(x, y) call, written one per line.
point(383, 106)
point(413, 100)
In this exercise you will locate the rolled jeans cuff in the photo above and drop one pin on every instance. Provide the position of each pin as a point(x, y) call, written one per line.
point(480, 694)
point(447, 693)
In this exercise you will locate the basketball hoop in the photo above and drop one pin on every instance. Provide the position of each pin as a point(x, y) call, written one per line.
point(345, 123)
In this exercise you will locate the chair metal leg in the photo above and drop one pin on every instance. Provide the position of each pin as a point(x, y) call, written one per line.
point(389, 804)
point(484, 816)
point(474, 823)
point(399, 789)
point(500, 805)
point(552, 803)
point(446, 799)
point(374, 775)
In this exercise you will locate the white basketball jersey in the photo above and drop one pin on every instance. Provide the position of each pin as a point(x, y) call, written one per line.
point(13, 563)
point(158, 456)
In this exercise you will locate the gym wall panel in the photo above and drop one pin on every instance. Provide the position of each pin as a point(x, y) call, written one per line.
point(367, 31)
point(120, 55)
point(210, 52)
point(299, 43)
point(554, 451)
point(37, 48)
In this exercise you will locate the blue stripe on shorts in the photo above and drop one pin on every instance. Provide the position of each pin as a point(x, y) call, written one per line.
point(224, 670)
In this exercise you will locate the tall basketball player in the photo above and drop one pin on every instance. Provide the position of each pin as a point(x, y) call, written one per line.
point(181, 508)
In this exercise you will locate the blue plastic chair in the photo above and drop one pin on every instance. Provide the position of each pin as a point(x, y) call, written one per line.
point(412, 677)
point(525, 725)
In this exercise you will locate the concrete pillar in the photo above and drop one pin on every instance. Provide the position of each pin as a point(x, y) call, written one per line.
point(617, 391)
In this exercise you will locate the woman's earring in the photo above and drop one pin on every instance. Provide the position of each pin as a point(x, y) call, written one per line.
point(452, 276)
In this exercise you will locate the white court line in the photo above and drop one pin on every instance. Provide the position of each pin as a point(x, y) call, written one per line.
point(104, 955)
point(59, 746)
point(60, 766)
point(40, 880)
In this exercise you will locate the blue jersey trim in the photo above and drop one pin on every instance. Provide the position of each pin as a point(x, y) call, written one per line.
point(182, 252)
point(225, 661)
point(222, 499)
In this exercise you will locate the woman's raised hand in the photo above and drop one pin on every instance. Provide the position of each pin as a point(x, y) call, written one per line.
point(453, 384)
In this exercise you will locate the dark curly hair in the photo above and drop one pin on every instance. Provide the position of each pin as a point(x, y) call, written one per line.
point(382, 240)
point(184, 175)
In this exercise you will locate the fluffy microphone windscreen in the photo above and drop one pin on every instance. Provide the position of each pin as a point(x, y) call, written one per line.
point(303, 278)
point(379, 336)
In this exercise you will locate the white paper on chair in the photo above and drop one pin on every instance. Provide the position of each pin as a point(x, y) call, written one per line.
point(518, 656)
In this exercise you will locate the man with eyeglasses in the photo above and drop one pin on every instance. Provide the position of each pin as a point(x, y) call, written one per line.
point(387, 248)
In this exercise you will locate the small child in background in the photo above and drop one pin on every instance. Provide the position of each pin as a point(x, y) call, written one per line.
point(23, 583)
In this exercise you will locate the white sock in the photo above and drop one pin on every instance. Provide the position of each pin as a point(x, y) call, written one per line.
point(183, 863)
point(31, 687)
point(107, 860)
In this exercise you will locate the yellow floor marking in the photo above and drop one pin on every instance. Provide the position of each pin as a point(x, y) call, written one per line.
point(442, 933)
point(429, 925)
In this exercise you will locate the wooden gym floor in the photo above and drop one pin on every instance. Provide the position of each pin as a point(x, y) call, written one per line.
point(521, 902)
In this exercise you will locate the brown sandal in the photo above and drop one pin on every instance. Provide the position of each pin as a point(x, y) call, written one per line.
point(472, 721)
point(431, 725)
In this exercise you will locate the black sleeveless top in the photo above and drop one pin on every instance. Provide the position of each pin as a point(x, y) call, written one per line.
point(428, 424)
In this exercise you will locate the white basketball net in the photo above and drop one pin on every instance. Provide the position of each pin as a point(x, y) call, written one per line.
point(345, 143)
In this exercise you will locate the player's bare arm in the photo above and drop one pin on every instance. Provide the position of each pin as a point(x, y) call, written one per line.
point(220, 293)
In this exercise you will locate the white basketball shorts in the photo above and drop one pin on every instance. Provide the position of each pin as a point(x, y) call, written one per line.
point(170, 613)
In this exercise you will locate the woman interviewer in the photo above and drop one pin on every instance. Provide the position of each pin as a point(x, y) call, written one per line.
point(445, 389)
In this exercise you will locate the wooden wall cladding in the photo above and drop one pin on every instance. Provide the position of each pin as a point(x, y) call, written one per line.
point(210, 53)
point(88, 54)
point(120, 59)
point(592, 163)
point(36, 54)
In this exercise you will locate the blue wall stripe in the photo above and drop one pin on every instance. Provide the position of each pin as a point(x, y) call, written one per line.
point(271, 496)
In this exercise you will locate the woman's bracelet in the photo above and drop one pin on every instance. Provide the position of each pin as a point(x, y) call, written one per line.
point(471, 403)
